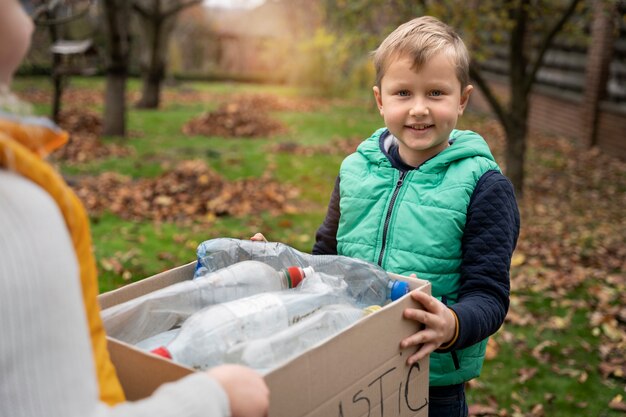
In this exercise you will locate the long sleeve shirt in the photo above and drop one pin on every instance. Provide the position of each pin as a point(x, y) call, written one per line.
point(489, 238)
point(46, 364)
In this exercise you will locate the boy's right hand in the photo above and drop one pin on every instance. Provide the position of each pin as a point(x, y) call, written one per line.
point(258, 237)
point(247, 392)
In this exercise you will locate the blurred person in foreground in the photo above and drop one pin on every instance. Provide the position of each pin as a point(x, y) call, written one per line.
point(53, 357)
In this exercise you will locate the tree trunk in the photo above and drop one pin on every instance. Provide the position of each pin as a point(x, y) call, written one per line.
point(150, 90)
point(57, 77)
point(117, 15)
point(154, 32)
point(57, 94)
point(515, 155)
point(156, 23)
point(516, 126)
point(115, 105)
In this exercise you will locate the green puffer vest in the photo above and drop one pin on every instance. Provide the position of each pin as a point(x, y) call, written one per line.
point(413, 223)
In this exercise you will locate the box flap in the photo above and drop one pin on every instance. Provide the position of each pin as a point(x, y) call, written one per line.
point(147, 285)
point(141, 373)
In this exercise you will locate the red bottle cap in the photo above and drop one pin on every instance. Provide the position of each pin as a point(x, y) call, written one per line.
point(296, 275)
point(162, 351)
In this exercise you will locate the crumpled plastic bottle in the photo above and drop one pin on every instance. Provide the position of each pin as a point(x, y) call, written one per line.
point(268, 353)
point(367, 283)
point(161, 310)
point(207, 335)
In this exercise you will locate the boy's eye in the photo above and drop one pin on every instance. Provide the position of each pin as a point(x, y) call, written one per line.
point(404, 93)
point(436, 93)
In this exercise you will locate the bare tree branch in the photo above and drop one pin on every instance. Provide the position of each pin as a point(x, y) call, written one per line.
point(547, 43)
point(45, 9)
point(496, 106)
point(144, 12)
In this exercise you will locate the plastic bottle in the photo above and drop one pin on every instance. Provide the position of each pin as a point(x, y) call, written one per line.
point(267, 353)
point(207, 335)
point(168, 307)
point(158, 340)
point(367, 283)
point(218, 253)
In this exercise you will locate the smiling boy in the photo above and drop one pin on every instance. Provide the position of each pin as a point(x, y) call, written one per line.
point(420, 108)
point(419, 197)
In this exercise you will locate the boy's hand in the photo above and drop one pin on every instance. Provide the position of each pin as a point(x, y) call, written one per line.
point(258, 237)
point(439, 322)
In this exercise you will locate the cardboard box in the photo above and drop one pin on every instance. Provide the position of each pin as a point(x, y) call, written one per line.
point(359, 372)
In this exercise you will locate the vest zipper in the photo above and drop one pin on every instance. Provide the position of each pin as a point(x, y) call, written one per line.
point(388, 216)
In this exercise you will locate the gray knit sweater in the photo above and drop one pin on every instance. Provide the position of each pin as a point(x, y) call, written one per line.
point(46, 365)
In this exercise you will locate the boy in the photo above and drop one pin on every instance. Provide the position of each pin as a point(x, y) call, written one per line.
point(419, 197)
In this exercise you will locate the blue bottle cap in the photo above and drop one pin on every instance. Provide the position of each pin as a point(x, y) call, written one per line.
point(398, 289)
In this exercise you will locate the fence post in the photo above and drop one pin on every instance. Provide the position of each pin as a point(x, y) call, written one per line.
point(596, 72)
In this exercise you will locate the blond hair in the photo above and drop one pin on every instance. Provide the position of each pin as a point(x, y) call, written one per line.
point(420, 39)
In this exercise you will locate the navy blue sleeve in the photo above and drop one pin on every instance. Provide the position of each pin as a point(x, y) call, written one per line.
point(326, 236)
point(491, 232)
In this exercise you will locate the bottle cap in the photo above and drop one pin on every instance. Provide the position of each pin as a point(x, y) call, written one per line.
point(162, 351)
point(308, 271)
point(371, 309)
point(398, 289)
point(295, 275)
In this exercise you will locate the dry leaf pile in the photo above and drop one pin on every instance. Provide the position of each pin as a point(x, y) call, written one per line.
point(235, 119)
point(84, 144)
point(79, 97)
point(270, 102)
point(335, 147)
point(190, 191)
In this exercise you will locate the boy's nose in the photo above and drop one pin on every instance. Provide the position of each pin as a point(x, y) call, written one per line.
point(418, 108)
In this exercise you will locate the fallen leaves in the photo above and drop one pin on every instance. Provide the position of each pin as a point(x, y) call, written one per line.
point(526, 374)
point(618, 404)
point(235, 119)
point(335, 147)
point(480, 410)
point(573, 235)
point(84, 127)
point(191, 191)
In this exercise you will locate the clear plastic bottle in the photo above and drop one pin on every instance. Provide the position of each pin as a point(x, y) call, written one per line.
point(161, 310)
point(367, 283)
point(207, 335)
point(158, 340)
point(267, 353)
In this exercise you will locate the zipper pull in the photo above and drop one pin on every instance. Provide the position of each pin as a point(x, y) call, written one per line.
point(401, 179)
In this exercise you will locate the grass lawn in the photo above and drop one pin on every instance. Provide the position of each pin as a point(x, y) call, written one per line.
point(547, 358)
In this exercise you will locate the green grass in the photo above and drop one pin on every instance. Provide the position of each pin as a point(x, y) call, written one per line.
point(566, 382)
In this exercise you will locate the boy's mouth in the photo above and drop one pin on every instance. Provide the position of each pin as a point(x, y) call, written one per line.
point(419, 126)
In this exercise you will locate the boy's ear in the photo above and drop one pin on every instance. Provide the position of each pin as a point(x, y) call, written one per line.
point(465, 96)
point(379, 100)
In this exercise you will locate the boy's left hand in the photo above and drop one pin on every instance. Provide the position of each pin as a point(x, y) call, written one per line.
point(439, 322)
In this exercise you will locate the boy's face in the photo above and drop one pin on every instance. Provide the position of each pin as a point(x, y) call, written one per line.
point(420, 108)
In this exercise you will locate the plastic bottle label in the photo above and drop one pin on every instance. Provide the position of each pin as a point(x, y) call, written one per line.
point(266, 305)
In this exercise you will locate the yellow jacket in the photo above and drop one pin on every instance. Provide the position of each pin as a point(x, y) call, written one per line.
point(23, 144)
